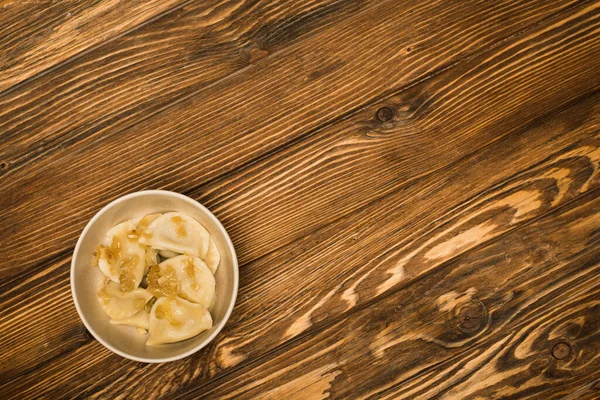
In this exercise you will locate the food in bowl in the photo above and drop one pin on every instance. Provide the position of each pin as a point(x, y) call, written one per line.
point(159, 276)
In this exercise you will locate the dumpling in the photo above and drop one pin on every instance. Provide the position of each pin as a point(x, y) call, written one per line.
point(213, 257)
point(173, 319)
point(185, 276)
point(178, 233)
point(122, 260)
point(120, 305)
point(141, 228)
point(139, 320)
point(145, 221)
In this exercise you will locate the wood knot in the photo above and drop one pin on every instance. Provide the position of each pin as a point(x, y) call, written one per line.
point(384, 114)
point(472, 316)
point(561, 350)
point(3, 165)
point(596, 385)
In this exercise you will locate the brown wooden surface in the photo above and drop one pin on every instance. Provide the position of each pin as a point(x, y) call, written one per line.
point(412, 188)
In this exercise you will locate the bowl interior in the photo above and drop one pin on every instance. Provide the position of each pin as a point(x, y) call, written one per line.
point(86, 280)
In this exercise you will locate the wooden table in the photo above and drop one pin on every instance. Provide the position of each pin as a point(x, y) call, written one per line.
point(412, 188)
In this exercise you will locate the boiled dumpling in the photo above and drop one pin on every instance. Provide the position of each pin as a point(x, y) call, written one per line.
point(139, 320)
point(120, 305)
point(173, 319)
point(178, 233)
point(184, 276)
point(145, 221)
point(123, 258)
point(213, 257)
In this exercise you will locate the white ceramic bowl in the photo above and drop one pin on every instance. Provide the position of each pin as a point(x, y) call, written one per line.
point(86, 279)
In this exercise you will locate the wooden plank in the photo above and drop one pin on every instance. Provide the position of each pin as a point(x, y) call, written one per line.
point(346, 166)
point(376, 227)
point(528, 291)
point(37, 35)
point(293, 83)
point(140, 73)
point(341, 269)
point(248, 318)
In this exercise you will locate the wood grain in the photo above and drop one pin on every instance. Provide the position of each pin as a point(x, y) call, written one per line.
point(589, 391)
point(247, 318)
point(413, 189)
point(260, 279)
point(142, 72)
point(37, 35)
point(346, 166)
point(533, 297)
point(302, 98)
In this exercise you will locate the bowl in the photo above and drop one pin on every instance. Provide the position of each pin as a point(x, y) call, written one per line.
point(86, 280)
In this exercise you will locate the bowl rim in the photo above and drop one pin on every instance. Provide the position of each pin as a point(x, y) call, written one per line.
point(218, 328)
